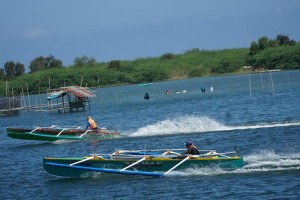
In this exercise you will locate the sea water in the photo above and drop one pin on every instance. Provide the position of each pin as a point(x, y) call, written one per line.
point(259, 114)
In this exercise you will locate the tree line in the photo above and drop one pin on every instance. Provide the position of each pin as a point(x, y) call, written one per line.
point(11, 70)
point(279, 53)
point(265, 43)
point(265, 53)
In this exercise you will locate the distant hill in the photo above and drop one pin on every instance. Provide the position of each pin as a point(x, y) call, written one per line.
point(192, 63)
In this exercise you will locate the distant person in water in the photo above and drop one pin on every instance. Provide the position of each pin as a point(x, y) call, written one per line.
point(168, 92)
point(146, 96)
point(91, 124)
point(191, 149)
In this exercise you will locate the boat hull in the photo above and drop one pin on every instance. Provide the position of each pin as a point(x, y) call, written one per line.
point(24, 134)
point(51, 134)
point(61, 166)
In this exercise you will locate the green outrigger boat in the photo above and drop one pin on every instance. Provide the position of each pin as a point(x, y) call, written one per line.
point(140, 162)
point(54, 133)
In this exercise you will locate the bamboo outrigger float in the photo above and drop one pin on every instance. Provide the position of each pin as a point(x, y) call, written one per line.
point(54, 133)
point(140, 162)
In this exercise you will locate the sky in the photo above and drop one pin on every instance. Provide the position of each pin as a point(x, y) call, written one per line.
point(130, 29)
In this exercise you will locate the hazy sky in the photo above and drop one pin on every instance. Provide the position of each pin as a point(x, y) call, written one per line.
point(129, 29)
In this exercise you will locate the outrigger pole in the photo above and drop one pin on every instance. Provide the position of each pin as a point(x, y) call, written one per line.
point(144, 158)
point(89, 158)
point(188, 157)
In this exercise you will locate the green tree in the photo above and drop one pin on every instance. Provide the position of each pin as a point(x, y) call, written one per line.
point(272, 43)
point(1, 74)
point(37, 64)
point(254, 48)
point(114, 64)
point(19, 69)
point(280, 57)
point(52, 62)
point(9, 69)
point(41, 63)
point(283, 39)
point(263, 43)
point(84, 61)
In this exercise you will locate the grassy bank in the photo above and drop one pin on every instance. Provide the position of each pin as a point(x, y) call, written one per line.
point(192, 63)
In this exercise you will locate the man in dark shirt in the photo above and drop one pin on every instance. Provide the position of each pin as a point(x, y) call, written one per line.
point(191, 149)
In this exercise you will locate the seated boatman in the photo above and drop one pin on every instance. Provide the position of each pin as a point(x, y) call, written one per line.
point(191, 149)
point(91, 124)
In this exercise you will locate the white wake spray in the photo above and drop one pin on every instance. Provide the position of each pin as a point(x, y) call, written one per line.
point(181, 124)
point(197, 124)
point(266, 159)
point(263, 161)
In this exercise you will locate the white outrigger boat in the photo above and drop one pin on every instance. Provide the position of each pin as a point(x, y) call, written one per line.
point(158, 162)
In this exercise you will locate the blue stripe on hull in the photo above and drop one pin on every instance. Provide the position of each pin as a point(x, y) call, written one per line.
point(105, 170)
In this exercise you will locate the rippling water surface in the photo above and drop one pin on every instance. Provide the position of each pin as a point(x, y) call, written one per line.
point(259, 113)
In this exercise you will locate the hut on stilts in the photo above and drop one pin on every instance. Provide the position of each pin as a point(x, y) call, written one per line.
point(71, 98)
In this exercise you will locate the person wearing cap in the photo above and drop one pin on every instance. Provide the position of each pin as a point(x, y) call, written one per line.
point(191, 149)
point(91, 124)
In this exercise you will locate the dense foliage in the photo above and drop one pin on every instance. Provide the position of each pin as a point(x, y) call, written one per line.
point(41, 63)
point(83, 61)
point(48, 72)
point(11, 70)
point(282, 57)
